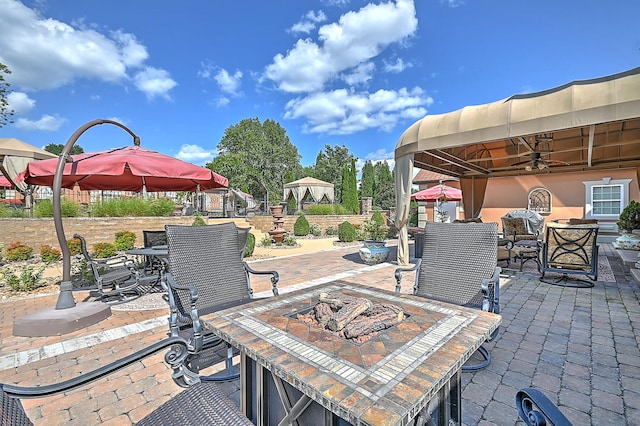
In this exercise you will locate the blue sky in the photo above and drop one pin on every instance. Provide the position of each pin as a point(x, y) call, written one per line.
point(331, 72)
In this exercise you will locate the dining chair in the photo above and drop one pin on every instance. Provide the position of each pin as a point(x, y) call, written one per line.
point(570, 250)
point(153, 239)
point(117, 278)
point(202, 403)
point(206, 272)
point(458, 266)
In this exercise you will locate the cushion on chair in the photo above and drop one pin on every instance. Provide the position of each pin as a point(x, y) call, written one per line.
point(571, 246)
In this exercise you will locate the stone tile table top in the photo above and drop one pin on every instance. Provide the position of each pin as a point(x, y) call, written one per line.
point(387, 379)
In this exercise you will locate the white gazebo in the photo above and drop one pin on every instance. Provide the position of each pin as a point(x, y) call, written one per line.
point(299, 189)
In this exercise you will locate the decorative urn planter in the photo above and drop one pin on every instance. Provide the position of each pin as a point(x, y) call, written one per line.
point(374, 252)
point(629, 240)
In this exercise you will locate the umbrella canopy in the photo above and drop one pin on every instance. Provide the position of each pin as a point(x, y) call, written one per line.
point(4, 182)
point(130, 168)
point(438, 193)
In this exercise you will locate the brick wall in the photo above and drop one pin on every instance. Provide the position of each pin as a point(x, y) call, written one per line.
point(265, 223)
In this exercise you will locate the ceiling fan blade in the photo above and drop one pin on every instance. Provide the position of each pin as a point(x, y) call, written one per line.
point(555, 163)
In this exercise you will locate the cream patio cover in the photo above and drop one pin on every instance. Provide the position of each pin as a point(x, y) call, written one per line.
point(298, 189)
point(15, 155)
point(580, 126)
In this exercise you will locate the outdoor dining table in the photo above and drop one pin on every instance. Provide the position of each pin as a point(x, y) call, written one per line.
point(411, 371)
point(159, 252)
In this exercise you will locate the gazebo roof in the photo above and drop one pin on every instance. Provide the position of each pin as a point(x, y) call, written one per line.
point(308, 181)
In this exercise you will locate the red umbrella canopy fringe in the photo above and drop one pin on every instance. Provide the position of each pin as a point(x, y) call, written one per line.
point(442, 193)
point(130, 168)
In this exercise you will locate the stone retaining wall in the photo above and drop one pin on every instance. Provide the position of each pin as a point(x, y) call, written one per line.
point(37, 232)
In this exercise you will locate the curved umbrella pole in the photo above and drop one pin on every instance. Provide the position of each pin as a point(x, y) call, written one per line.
point(65, 298)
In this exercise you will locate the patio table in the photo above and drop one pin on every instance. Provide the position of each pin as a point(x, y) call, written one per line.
point(290, 370)
point(159, 252)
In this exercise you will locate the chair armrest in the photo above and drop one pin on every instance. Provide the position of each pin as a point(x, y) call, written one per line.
point(398, 273)
point(196, 340)
point(275, 277)
point(175, 360)
point(534, 407)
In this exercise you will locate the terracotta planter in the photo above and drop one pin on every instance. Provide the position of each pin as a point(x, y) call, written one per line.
point(276, 210)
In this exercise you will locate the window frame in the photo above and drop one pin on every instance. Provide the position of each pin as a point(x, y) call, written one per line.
point(547, 195)
point(624, 197)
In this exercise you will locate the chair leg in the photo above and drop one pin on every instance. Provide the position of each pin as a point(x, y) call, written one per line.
point(232, 372)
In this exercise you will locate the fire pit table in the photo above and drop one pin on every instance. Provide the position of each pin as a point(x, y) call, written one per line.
point(401, 375)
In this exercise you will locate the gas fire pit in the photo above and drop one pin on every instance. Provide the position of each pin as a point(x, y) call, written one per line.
point(356, 319)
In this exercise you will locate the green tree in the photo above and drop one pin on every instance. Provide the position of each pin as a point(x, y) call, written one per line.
point(56, 148)
point(257, 156)
point(329, 165)
point(367, 181)
point(350, 188)
point(383, 182)
point(6, 113)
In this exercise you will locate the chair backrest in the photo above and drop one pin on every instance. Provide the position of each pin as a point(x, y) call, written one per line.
point(570, 246)
point(455, 260)
point(208, 258)
point(514, 226)
point(576, 221)
point(154, 238)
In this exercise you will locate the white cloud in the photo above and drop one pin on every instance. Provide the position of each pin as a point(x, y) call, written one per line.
point(195, 154)
point(360, 74)
point(398, 67)
point(47, 123)
point(229, 83)
point(20, 102)
point(356, 38)
point(452, 3)
point(308, 22)
point(222, 102)
point(343, 112)
point(46, 54)
point(154, 82)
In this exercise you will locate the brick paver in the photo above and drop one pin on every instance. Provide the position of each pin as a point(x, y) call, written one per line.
point(579, 346)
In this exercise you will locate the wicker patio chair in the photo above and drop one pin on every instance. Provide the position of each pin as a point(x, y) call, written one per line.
point(117, 277)
point(200, 404)
point(570, 250)
point(207, 273)
point(458, 266)
point(153, 239)
point(536, 409)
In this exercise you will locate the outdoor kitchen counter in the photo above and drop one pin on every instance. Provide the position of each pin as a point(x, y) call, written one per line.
point(410, 369)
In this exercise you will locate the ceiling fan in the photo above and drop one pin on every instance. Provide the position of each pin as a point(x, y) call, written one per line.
point(536, 160)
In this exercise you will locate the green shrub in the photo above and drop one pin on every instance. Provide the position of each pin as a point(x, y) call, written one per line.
point(251, 245)
point(6, 211)
point(630, 217)
point(17, 251)
point(301, 227)
point(132, 206)
point(49, 254)
point(331, 231)
point(104, 250)
point(315, 230)
point(125, 240)
point(326, 209)
point(75, 246)
point(346, 232)
point(289, 240)
point(68, 208)
point(28, 280)
point(266, 240)
point(375, 228)
point(198, 221)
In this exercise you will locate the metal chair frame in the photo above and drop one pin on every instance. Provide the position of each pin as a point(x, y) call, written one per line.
point(206, 273)
point(458, 266)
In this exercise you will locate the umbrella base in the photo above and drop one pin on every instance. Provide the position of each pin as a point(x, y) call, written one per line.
point(54, 322)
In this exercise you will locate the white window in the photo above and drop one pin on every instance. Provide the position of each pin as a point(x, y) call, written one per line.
point(605, 199)
point(540, 200)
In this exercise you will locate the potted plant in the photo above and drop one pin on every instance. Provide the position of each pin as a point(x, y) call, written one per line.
point(629, 223)
point(374, 249)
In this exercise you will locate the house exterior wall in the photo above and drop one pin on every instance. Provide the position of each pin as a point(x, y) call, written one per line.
point(568, 194)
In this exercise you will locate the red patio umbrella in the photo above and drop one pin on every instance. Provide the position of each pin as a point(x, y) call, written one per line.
point(130, 168)
point(4, 182)
point(438, 193)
